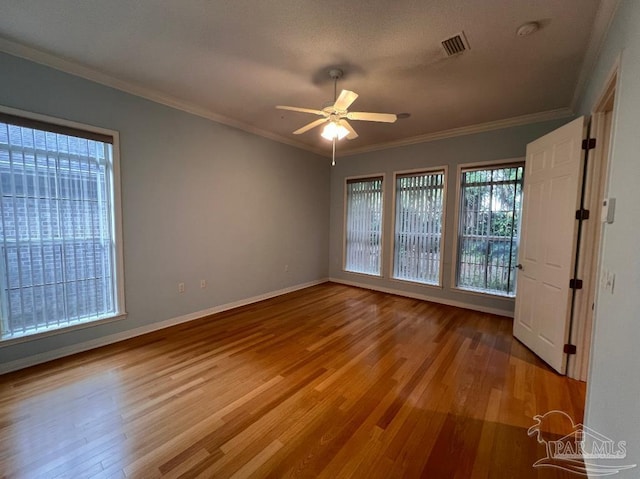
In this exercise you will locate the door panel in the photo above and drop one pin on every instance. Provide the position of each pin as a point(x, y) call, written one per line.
point(562, 191)
point(526, 303)
point(553, 175)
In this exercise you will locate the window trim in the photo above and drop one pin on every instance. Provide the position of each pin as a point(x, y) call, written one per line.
point(480, 165)
point(346, 181)
point(116, 194)
point(443, 237)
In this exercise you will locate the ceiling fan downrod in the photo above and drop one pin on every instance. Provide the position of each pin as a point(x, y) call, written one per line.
point(335, 74)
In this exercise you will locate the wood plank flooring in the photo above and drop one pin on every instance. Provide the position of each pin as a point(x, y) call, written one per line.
point(331, 381)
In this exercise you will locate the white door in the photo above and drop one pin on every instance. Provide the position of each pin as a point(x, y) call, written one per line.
point(551, 196)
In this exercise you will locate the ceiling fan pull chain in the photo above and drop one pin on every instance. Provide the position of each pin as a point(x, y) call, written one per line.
point(333, 158)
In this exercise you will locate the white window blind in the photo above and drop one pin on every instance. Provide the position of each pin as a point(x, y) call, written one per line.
point(418, 227)
point(489, 230)
point(57, 246)
point(364, 225)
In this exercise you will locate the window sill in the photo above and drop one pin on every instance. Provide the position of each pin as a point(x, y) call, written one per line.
point(416, 283)
point(65, 329)
point(365, 275)
point(485, 294)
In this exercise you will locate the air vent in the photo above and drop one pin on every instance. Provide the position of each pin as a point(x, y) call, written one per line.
point(455, 45)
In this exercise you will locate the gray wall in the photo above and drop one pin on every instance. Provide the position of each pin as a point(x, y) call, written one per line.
point(200, 201)
point(491, 146)
point(614, 383)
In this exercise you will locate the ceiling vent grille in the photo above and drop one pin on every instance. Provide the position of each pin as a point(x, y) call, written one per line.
point(455, 45)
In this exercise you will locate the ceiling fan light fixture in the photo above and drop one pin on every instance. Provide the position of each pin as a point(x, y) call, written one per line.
point(334, 130)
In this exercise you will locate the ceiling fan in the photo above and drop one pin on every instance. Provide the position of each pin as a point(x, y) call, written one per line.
point(336, 116)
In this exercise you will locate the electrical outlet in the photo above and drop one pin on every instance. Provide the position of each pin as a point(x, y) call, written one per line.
point(203, 283)
point(611, 281)
point(608, 281)
point(180, 287)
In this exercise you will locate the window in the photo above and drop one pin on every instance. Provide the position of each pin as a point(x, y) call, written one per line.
point(490, 205)
point(57, 227)
point(418, 227)
point(364, 225)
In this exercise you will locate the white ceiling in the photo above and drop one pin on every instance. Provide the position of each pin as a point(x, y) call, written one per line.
point(234, 60)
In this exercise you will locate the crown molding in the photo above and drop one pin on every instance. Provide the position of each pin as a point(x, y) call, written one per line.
point(77, 69)
point(601, 24)
point(548, 115)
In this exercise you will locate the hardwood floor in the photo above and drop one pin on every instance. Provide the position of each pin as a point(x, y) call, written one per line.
point(331, 381)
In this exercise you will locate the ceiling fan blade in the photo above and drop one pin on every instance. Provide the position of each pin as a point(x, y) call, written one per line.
point(309, 126)
point(366, 116)
point(352, 133)
point(301, 110)
point(345, 100)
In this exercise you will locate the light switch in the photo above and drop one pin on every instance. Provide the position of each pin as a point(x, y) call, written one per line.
point(608, 210)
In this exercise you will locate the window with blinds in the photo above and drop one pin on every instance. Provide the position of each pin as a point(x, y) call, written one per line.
point(57, 242)
point(418, 227)
point(364, 226)
point(489, 229)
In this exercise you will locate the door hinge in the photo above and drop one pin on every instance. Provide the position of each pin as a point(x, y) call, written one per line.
point(582, 214)
point(575, 283)
point(569, 349)
point(589, 144)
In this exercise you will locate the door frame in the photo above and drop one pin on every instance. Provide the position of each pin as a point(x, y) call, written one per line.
point(597, 181)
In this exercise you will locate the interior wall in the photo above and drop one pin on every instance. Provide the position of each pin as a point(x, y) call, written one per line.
point(612, 394)
point(496, 145)
point(200, 200)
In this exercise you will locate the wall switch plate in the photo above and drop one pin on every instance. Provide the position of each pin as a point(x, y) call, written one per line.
point(203, 283)
point(180, 287)
point(608, 210)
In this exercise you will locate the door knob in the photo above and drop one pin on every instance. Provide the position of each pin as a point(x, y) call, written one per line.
point(520, 267)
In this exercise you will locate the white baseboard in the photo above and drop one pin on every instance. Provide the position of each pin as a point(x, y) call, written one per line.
point(424, 297)
point(114, 338)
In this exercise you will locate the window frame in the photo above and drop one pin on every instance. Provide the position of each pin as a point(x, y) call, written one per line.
point(481, 165)
point(382, 224)
point(417, 171)
point(64, 126)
